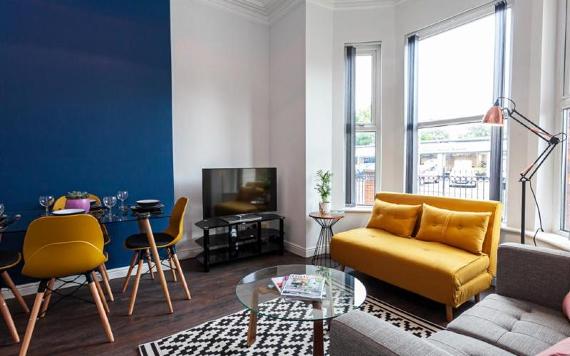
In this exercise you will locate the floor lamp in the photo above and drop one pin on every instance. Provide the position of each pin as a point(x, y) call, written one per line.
point(505, 108)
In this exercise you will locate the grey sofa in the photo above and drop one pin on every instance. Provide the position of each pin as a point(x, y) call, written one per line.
point(524, 317)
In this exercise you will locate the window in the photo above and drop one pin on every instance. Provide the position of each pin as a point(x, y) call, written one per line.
point(362, 122)
point(455, 72)
point(565, 106)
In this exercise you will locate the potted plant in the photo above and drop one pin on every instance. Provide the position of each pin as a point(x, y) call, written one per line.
point(77, 200)
point(324, 188)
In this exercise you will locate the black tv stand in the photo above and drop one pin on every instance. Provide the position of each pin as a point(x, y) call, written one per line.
point(241, 218)
point(240, 236)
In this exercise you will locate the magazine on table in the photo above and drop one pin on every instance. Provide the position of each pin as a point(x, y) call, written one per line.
point(303, 286)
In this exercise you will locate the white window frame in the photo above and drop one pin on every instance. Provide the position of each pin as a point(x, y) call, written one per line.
point(560, 179)
point(436, 29)
point(374, 49)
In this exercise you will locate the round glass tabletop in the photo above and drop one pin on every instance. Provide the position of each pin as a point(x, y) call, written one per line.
point(343, 293)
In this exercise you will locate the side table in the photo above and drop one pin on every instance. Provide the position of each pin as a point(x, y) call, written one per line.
point(322, 256)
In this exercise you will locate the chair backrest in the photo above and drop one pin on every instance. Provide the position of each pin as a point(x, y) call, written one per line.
point(60, 202)
point(176, 224)
point(58, 246)
point(493, 235)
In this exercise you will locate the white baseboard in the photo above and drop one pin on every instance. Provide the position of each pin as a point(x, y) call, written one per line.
point(32, 288)
point(299, 250)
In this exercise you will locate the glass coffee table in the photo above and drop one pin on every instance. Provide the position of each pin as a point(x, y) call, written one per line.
point(259, 295)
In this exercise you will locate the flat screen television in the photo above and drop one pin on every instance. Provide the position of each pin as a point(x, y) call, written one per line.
point(233, 191)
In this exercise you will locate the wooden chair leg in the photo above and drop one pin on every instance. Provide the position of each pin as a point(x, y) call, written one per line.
point(448, 313)
point(100, 308)
point(181, 276)
point(172, 265)
point(10, 284)
point(100, 291)
point(128, 276)
point(47, 297)
point(136, 286)
point(149, 262)
point(33, 317)
point(105, 278)
point(477, 298)
point(8, 320)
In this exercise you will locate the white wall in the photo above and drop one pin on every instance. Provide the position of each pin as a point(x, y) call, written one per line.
point(287, 124)
point(319, 108)
point(220, 94)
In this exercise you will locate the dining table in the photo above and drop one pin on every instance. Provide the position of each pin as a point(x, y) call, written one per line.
point(143, 220)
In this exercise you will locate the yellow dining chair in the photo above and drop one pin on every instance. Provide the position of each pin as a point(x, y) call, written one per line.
point(59, 205)
point(62, 246)
point(164, 240)
point(8, 260)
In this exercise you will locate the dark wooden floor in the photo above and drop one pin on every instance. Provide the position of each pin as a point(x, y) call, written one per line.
point(73, 327)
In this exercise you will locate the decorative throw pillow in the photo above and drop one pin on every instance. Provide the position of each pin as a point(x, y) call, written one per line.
point(566, 305)
point(461, 229)
point(397, 219)
point(562, 348)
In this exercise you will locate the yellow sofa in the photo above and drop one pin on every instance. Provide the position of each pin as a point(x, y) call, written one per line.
point(434, 270)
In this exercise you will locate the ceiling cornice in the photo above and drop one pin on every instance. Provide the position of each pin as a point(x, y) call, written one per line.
point(358, 4)
point(269, 11)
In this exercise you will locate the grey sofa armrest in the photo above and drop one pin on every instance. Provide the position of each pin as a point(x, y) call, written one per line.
point(360, 334)
point(539, 275)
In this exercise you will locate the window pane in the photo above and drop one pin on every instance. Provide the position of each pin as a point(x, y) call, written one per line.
point(454, 161)
point(455, 71)
point(363, 89)
point(365, 167)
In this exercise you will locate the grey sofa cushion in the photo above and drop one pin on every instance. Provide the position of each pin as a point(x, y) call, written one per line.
point(360, 334)
point(461, 345)
point(520, 327)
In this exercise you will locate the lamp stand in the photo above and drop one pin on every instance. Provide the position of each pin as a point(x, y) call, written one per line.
point(523, 210)
point(495, 116)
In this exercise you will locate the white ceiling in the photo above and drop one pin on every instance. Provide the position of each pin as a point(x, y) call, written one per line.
point(268, 10)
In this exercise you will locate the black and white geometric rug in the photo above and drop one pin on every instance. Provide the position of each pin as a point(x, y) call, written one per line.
point(227, 335)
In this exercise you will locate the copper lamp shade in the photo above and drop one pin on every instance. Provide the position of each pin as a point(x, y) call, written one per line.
point(494, 116)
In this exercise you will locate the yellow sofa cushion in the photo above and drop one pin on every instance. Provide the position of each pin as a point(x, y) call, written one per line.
point(461, 229)
point(437, 271)
point(398, 219)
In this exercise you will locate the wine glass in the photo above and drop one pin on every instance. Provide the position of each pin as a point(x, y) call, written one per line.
point(110, 202)
point(46, 201)
point(122, 195)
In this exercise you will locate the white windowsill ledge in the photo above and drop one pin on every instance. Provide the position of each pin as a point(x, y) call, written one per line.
point(357, 209)
point(551, 239)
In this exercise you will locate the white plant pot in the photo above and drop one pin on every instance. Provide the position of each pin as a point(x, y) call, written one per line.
point(324, 208)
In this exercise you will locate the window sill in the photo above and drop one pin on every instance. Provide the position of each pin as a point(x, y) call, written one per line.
point(358, 209)
point(554, 240)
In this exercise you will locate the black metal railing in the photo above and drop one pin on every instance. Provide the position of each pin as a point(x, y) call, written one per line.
point(365, 189)
point(453, 186)
point(468, 187)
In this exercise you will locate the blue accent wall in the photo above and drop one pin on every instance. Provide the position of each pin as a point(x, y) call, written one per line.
point(85, 104)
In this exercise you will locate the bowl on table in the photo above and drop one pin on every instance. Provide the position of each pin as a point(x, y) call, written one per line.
point(64, 212)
